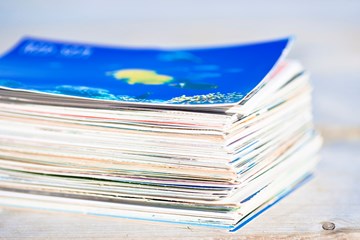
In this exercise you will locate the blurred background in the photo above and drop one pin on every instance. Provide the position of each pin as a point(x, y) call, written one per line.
point(327, 36)
point(327, 43)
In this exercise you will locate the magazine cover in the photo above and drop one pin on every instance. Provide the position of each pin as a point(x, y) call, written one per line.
point(218, 75)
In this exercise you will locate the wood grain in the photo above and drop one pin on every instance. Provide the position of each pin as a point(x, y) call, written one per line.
point(328, 36)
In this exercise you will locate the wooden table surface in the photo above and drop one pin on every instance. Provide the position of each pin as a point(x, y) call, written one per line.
point(328, 37)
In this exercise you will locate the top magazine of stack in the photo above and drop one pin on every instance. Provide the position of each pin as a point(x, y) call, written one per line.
point(208, 136)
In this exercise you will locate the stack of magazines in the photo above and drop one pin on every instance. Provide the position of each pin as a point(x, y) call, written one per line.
point(199, 136)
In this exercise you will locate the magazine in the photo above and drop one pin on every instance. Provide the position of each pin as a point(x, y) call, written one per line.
point(207, 136)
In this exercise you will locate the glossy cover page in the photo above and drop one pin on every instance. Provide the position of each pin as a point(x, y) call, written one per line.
point(216, 75)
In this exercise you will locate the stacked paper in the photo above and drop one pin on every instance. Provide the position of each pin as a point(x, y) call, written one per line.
point(206, 136)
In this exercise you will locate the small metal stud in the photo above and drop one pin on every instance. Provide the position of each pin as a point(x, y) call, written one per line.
point(328, 226)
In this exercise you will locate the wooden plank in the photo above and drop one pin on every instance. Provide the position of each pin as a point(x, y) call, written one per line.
point(333, 196)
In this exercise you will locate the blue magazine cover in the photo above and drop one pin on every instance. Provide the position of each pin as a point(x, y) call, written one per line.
point(216, 75)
